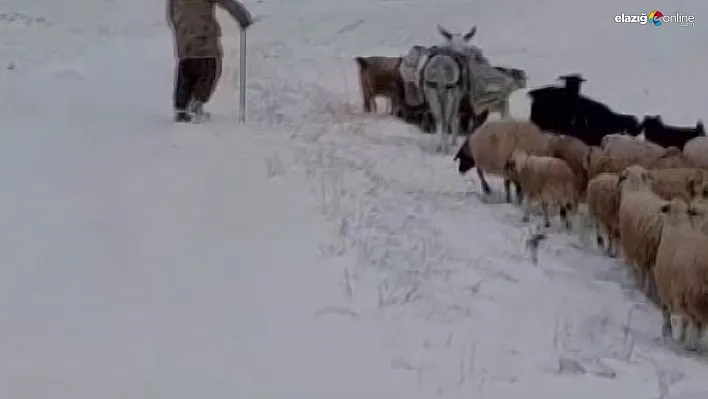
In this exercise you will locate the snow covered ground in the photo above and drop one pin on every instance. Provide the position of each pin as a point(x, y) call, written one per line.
point(317, 252)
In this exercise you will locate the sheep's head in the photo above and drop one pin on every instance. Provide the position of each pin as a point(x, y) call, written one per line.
point(700, 129)
point(697, 186)
point(635, 178)
point(698, 214)
point(595, 162)
point(466, 162)
point(511, 165)
point(677, 211)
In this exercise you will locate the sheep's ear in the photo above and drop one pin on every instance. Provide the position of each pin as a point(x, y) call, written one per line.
point(469, 35)
point(586, 161)
point(665, 208)
point(694, 181)
point(447, 35)
point(622, 177)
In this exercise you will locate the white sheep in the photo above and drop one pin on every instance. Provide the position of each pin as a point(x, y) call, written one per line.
point(546, 179)
point(696, 151)
point(603, 200)
point(597, 161)
point(640, 223)
point(685, 183)
point(492, 145)
point(619, 151)
point(672, 158)
point(573, 151)
point(637, 150)
point(681, 272)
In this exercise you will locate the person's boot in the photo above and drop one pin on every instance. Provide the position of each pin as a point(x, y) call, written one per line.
point(196, 107)
point(182, 116)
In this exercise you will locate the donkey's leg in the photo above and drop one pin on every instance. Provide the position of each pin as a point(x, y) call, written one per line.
point(455, 117)
point(441, 121)
point(431, 97)
point(504, 109)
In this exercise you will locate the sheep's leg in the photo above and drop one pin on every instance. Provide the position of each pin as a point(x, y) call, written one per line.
point(646, 284)
point(637, 274)
point(527, 210)
point(598, 234)
point(666, 328)
point(640, 278)
point(563, 213)
point(698, 330)
point(683, 332)
point(611, 243)
point(507, 190)
point(485, 186)
point(652, 292)
point(692, 344)
point(519, 193)
point(546, 219)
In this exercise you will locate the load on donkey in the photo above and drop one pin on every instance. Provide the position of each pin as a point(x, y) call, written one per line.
point(488, 87)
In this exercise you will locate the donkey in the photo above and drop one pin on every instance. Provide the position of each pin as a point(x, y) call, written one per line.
point(445, 79)
point(445, 84)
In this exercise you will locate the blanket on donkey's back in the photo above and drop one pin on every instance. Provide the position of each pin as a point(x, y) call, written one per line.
point(411, 70)
point(487, 84)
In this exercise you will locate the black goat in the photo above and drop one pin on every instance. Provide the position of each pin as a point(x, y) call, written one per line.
point(670, 136)
point(594, 120)
point(563, 110)
point(552, 107)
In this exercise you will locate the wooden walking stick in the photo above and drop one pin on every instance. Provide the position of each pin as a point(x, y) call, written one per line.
point(242, 79)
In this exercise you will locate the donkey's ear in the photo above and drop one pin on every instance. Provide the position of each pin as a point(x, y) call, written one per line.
point(469, 35)
point(447, 35)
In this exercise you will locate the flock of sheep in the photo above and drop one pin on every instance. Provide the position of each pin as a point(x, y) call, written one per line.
point(649, 201)
point(647, 198)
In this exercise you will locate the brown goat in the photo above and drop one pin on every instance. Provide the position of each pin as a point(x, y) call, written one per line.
point(379, 76)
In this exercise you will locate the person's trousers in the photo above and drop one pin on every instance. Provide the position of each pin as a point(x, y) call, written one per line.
point(196, 80)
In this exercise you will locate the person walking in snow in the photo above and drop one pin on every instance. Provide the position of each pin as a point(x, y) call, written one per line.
point(199, 53)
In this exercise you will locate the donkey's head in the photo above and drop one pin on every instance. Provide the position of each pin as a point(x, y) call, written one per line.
point(457, 40)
